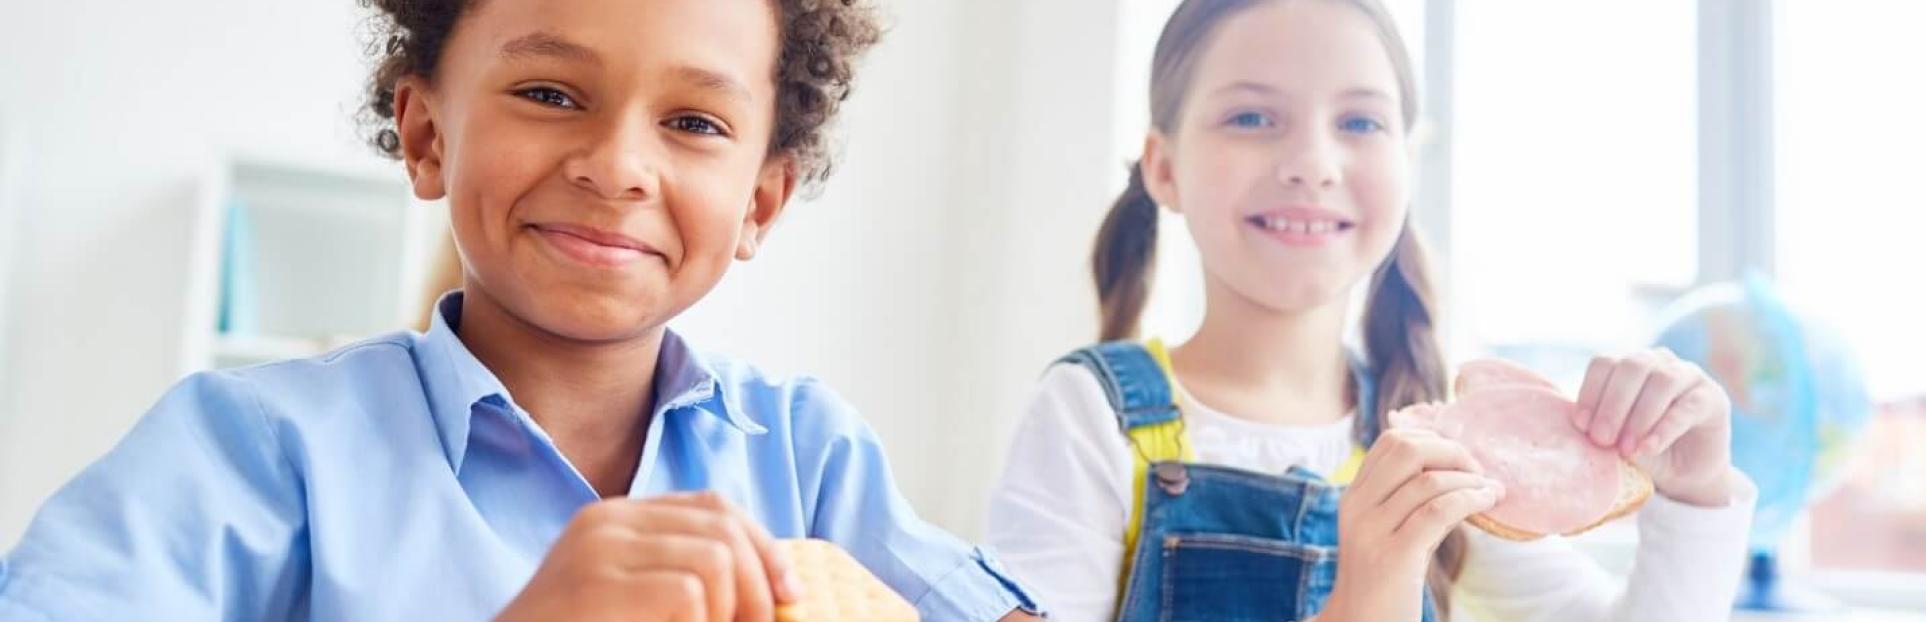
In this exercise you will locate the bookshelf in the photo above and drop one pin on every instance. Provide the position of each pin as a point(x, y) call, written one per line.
point(293, 259)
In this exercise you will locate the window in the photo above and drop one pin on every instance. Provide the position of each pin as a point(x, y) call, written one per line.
point(1574, 175)
point(1850, 125)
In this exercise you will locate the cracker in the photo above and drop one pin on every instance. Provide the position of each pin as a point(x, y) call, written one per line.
point(838, 589)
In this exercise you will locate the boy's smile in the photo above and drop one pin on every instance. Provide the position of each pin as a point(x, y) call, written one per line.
point(594, 247)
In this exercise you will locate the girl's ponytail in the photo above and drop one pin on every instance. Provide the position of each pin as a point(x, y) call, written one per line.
point(1401, 339)
point(1121, 263)
point(1400, 334)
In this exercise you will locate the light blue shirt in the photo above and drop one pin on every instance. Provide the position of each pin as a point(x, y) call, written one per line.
point(396, 479)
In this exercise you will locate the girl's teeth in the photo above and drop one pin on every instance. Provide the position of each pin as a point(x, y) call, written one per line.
point(1280, 224)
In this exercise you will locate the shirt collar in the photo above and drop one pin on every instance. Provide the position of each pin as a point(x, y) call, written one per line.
point(457, 382)
point(685, 379)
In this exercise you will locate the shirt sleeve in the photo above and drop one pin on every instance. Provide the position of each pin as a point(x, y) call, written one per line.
point(194, 513)
point(1687, 567)
point(853, 501)
point(1060, 508)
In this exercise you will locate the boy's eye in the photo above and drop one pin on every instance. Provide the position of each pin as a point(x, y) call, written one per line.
point(1251, 120)
point(695, 125)
point(1361, 125)
point(548, 97)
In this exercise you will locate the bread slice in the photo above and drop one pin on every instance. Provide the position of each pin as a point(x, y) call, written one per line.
point(1634, 487)
point(836, 588)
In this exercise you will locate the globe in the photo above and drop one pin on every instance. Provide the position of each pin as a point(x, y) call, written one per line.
point(1799, 405)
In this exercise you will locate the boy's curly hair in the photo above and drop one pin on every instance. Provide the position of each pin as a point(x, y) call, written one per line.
point(821, 42)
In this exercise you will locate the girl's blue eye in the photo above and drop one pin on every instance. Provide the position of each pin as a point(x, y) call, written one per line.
point(548, 97)
point(696, 125)
point(1251, 120)
point(1361, 125)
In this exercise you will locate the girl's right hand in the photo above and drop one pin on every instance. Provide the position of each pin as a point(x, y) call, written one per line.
point(1413, 488)
point(678, 558)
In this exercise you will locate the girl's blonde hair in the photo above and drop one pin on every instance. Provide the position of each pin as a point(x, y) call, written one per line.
point(1400, 337)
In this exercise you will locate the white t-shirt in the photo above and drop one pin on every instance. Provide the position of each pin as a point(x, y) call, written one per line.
point(1058, 513)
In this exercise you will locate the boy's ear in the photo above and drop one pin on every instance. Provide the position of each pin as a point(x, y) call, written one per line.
point(420, 137)
point(775, 185)
point(1159, 178)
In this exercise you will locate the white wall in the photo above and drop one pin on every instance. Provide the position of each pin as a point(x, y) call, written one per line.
point(121, 104)
point(9, 165)
point(941, 270)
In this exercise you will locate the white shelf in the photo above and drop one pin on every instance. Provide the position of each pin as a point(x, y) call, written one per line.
point(326, 254)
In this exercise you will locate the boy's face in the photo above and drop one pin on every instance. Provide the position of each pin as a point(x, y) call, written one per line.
point(603, 160)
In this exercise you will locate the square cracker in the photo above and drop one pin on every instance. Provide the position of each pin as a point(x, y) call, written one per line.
point(838, 589)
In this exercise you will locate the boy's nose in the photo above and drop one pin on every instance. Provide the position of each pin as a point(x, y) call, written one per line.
point(622, 163)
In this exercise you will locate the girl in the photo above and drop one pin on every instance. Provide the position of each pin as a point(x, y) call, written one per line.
point(548, 449)
point(1227, 478)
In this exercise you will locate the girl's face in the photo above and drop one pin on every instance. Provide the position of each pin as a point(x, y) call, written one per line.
point(1288, 159)
point(603, 160)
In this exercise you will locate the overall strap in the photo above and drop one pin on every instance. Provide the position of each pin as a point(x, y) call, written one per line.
point(1136, 380)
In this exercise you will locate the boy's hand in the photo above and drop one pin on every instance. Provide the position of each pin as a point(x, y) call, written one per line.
point(678, 558)
point(1665, 414)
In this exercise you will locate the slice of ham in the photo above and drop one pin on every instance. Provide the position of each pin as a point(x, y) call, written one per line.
point(1519, 428)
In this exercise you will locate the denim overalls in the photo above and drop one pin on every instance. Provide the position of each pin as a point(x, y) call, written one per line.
point(1210, 543)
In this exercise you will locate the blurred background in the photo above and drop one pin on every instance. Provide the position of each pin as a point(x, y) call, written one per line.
point(182, 188)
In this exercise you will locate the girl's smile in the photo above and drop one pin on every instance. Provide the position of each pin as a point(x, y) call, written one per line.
point(1301, 225)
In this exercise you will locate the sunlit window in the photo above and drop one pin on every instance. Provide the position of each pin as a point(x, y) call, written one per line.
point(1850, 216)
point(1574, 173)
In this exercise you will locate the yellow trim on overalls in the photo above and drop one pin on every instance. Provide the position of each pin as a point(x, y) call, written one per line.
point(1165, 442)
point(1161, 442)
point(1349, 470)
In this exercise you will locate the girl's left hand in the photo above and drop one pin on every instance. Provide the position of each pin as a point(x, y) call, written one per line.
point(1666, 415)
